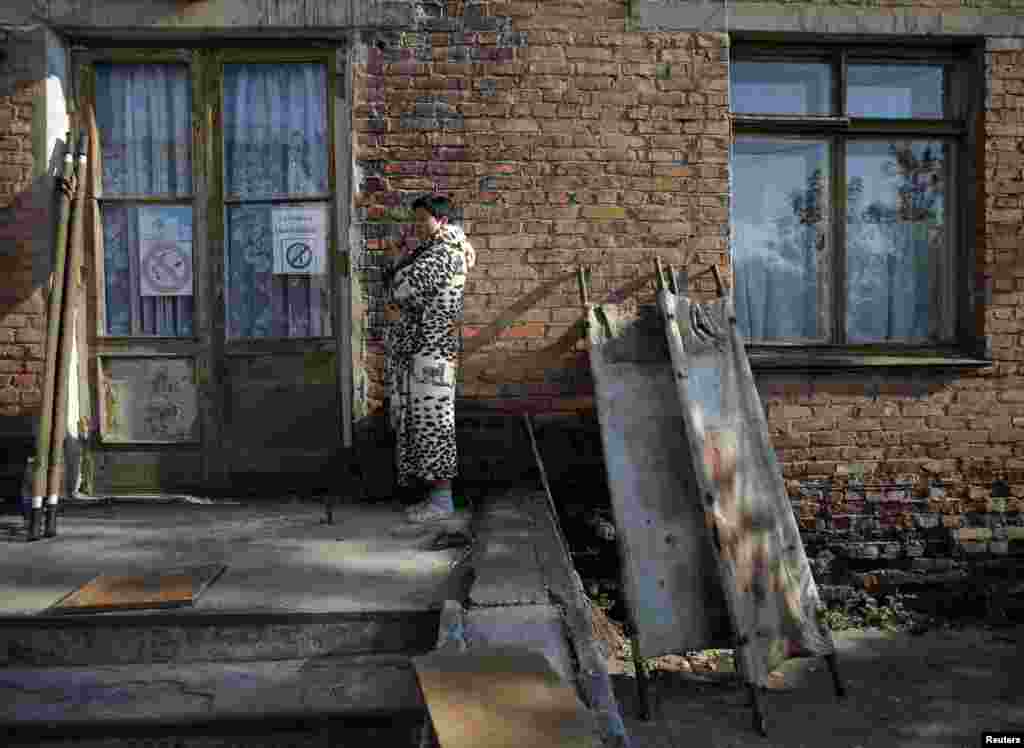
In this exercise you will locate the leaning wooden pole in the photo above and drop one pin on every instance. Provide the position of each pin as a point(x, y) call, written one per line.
point(45, 426)
point(67, 343)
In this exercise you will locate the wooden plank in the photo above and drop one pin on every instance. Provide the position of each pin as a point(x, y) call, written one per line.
point(347, 297)
point(501, 697)
point(147, 468)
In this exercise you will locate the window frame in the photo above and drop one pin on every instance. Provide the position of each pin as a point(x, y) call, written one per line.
point(220, 201)
point(85, 61)
point(209, 201)
point(961, 125)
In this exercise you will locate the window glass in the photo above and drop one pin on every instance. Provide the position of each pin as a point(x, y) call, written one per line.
point(276, 255)
point(780, 232)
point(143, 115)
point(781, 87)
point(275, 129)
point(895, 91)
point(895, 237)
point(265, 300)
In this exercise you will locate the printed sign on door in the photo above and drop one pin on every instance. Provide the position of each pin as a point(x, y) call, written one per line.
point(300, 240)
point(165, 250)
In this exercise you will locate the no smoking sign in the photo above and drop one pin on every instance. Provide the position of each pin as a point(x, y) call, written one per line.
point(166, 269)
point(300, 240)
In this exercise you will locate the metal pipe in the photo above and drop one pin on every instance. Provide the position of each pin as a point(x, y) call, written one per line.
point(44, 433)
point(67, 341)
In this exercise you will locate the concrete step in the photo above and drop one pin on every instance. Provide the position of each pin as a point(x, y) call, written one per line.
point(240, 701)
point(111, 639)
point(400, 731)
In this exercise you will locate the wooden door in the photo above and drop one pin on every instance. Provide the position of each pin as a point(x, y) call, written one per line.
point(272, 209)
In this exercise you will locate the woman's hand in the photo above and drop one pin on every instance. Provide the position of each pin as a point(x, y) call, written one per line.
point(392, 313)
point(398, 248)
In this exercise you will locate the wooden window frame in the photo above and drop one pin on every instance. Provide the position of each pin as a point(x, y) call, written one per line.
point(208, 199)
point(961, 126)
point(219, 200)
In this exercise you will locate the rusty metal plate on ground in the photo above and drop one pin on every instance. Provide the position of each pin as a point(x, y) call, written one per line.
point(155, 590)
point(502, 697)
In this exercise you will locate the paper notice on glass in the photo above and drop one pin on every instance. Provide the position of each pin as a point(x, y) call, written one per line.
point(300, 240)
point(165, 250)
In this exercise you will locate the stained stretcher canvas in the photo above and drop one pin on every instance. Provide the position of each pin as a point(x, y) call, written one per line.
point(710, 547)
point(770, 590)
point(669, 572)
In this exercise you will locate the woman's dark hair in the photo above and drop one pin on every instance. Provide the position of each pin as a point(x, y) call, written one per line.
point(436, 205)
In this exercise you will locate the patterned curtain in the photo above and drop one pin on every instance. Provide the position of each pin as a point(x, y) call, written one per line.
point(144, 115)
point(275, 144)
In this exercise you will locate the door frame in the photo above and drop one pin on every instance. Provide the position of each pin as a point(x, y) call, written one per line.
point(208, 348)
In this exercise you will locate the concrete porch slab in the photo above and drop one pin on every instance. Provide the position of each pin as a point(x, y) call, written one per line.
point(280, 557)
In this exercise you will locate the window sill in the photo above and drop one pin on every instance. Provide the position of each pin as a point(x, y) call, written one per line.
point(771, 358)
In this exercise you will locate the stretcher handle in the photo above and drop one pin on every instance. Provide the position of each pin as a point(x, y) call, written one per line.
point(659, 274)
point(581, 277)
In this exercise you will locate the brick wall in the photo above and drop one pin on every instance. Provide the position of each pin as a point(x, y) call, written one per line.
point(21, 301)
point(22, 213)
point(561, 147)
point(566, 140)
point(917, 472)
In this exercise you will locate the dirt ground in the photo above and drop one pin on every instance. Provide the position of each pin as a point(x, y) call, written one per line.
point(940, 688)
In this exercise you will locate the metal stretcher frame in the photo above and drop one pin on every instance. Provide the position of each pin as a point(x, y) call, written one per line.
point(711, 553)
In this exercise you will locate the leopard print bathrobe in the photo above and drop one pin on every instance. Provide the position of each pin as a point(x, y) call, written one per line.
point(423, 355)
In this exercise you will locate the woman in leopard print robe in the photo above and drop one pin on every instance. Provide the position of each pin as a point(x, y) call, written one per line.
point(425, 297)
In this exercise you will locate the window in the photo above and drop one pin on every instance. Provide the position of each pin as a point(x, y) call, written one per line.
point(144, 122)
point(272, 140)
point(847, 209)
point(275, 169)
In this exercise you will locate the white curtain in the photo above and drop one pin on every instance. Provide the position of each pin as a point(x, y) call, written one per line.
point(275, 144)
point(144, 115)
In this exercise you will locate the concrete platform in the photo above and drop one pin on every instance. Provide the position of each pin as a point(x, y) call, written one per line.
point(309, 622)
point(280, 558)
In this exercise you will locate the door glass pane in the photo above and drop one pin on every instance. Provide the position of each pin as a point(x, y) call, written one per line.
point(275, 129)
point(781, 87)
point(276, 279)
point(144, 116)
point(780, 218)
point(895, 91)
point(147, 262)
point(275, 143)
point(895, 238)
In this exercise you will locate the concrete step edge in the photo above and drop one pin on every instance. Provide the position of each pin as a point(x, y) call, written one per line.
point(82, 640)
point(49, 699)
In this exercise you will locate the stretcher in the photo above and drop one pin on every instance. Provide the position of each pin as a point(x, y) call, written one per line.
point(711, 552)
